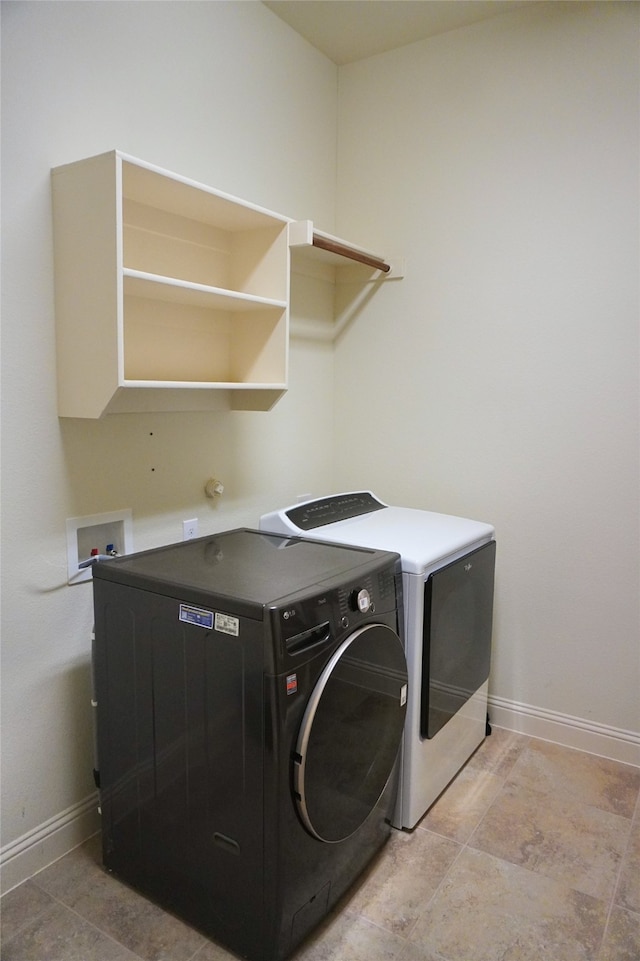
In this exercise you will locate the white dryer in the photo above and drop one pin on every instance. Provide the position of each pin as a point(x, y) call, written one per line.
point(448, 567)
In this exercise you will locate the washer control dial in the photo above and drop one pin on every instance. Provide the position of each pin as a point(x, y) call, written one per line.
point(360, 600)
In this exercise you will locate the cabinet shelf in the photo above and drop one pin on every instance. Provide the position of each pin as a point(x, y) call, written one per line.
point(170, 290)
point(169, 295)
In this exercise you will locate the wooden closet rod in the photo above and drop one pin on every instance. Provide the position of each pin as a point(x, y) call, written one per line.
point(343, 251)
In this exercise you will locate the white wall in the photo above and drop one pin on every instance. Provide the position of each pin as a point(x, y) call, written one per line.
point(228, 95)
point(499, 379)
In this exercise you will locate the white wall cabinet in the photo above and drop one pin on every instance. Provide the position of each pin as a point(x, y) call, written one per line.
point(169, 295)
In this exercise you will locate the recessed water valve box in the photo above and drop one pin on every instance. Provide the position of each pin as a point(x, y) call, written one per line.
point(110, 533)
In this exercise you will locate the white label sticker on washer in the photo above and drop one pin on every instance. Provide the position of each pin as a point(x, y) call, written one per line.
point(227, 624)
point(403, 695)
point(196, 615)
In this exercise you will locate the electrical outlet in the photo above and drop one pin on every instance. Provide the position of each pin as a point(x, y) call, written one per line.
point(190, 529)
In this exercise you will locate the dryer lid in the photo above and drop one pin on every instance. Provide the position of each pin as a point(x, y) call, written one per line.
point(422, 538)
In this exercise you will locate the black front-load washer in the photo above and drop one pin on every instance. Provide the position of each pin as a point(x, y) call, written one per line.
point(251, 692)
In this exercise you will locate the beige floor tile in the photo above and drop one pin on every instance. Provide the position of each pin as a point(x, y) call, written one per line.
point(546, 828)
point(77, 869)
point(403, 880)
point(458, 811)
point(420, 952)
point(575, 843)
point(622, 940)
point(139, 924)
point(58, 934)
point(490, 910)
point(628, 893)
point(567, 773)
point(499, 751)
point(210, 951)
point(345, 937)
point(19, 906)
point(122, 913)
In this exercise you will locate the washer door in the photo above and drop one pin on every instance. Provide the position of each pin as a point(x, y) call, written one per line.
point(350, 733)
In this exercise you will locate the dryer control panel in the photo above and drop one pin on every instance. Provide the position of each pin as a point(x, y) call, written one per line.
point(330, 510)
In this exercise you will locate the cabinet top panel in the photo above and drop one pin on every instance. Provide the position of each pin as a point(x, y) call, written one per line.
point(152, 185)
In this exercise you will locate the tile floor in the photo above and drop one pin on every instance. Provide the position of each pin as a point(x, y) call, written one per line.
point(532, 854)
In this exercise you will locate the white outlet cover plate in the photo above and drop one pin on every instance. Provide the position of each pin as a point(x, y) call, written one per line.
point(190, 529)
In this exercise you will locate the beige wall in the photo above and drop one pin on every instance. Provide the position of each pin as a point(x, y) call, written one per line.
point(500, 379)
point(222, 93)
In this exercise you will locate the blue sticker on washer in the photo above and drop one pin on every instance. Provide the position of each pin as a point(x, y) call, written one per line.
point(196, 615)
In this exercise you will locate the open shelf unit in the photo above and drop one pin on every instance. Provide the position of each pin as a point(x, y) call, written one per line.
point(169, 295)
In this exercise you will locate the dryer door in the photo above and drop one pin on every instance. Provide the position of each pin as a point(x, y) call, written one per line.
point(350, 733)
point(456, 648)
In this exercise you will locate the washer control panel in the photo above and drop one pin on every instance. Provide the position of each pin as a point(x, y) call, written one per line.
point(308, 623)
point(360, 600)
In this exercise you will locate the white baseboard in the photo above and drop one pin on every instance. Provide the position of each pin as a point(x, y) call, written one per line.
point(575, 732)
point(35, 850)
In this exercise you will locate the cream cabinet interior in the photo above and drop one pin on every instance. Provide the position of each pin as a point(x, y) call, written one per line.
point(169, 295)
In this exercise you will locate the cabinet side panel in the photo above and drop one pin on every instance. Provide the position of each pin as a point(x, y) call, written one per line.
point(259, 348)
point(87, 284)
point(260, 262)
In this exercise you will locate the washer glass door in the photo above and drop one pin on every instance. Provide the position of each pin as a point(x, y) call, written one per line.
point(350, 733)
